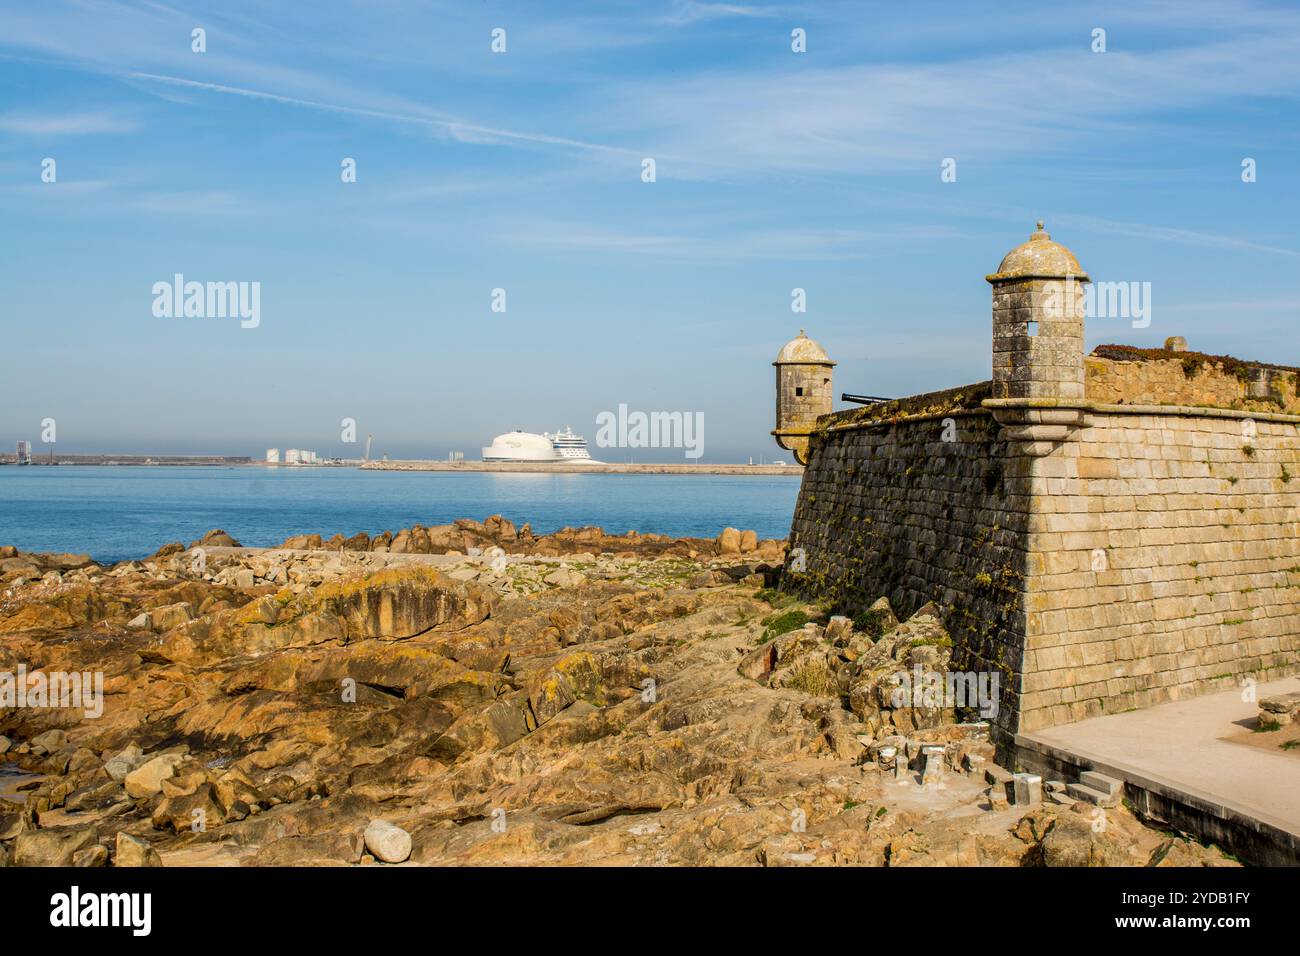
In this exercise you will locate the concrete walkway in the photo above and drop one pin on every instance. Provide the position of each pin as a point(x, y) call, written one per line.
point(1194, 747)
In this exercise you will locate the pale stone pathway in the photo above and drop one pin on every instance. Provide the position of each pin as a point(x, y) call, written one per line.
point(1186, 745)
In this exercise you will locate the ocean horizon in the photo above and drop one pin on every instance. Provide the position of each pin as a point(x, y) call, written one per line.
point(116, 513)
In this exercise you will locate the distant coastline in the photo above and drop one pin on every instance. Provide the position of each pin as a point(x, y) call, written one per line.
point(584, 467)
point(143, 460)
point(467, 467)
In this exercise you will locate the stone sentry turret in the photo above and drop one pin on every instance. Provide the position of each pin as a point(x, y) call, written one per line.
point(1038, 309)
point(803, 393)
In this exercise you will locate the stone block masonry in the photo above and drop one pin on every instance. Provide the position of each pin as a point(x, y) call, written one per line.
point(1098, 553)
point(1164, 561)
point(892, 509)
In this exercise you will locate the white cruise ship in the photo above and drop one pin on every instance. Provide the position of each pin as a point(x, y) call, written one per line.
point(564, 445)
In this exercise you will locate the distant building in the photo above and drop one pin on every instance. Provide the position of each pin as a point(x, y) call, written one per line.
point(273, 456)
point(455, 456)
point(292, 456)
point(24, 453)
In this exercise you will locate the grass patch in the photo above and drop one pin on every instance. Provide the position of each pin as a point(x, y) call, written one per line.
point(815, 679)
point(775, 598)
point(780, 624)
point(872, 623)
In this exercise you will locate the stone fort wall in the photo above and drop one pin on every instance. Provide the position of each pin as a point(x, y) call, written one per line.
point(891, 509)
point(1153, 555)
point(1188, 378)
point(1164, 561)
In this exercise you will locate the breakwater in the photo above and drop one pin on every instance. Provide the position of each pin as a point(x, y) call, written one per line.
point(583, 468)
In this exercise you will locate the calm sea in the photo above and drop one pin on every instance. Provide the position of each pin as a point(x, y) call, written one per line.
point(115, 513)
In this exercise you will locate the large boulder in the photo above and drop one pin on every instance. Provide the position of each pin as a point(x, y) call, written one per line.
point(194, 812)
point(147, 779)
point(216, 538)
point(133, 851)
point(1077, 840)
point(729, 542)
point(123, 762)
point(52, 847)
point(330, 848)
point(884, 690)
point(574, 677)
point(388, 842)
point(62, 561)
point(358, 542)
point(75, 606)
point(781, 652)
point(397, 603)
point(498, 725)
point(389, 605)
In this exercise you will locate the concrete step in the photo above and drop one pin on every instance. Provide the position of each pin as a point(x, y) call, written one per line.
point(1099, 781)
point(996, 776)
point(1098, 798)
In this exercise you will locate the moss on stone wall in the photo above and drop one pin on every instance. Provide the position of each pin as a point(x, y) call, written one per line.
point(892, 509)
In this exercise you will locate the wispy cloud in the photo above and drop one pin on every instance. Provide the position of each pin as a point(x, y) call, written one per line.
point(198, 203)
point(691, 11)
point(456, 129)
point(63, 190)
point(65, 124)
point(1188, 237)
point(866, 118)
point(804, 245)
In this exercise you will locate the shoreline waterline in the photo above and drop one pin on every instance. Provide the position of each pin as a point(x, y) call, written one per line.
point(583, 467)
point(115, 513)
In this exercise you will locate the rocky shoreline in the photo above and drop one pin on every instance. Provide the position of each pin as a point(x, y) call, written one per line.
point(474, 694)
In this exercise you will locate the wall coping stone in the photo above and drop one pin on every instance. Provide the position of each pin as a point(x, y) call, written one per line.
point(1177, 411)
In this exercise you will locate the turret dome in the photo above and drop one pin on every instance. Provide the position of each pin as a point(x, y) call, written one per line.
point(802, 350)
point(1039, 258)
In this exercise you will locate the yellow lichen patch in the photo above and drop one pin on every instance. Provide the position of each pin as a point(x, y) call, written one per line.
point(263, 610)
point(36, 615)
point(379, 580)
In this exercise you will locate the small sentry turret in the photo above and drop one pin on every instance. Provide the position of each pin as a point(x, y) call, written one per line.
point(803, 392)
point(1038, 309)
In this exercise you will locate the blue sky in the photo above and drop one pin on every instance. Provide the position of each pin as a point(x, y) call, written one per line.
point(522, 171)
